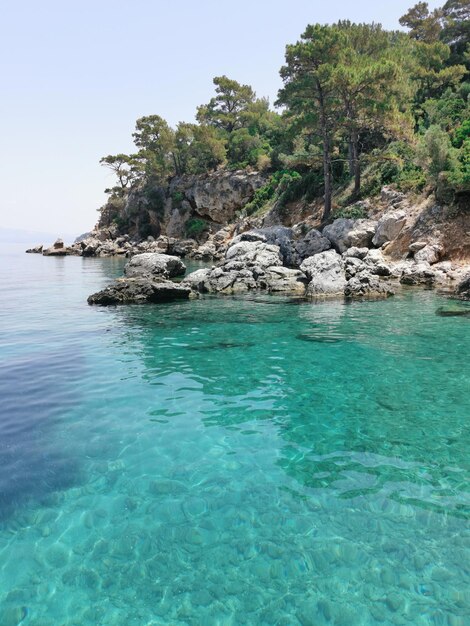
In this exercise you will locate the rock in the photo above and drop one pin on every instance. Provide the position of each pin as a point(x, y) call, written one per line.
point(151, 264)
point(206, 252)
point(337, 233)
point(392, 197)
point(365, 284)
point(431, 254)
point(220, 195)
point(376, 262)
point(389, 227)
point(345, 233)
point(198, 280)
point(182, 247)
point(418, 274)
point(313, 243)
point(254, 253)
point(90, 246)
point(354, 252)
point(57, 249)
point(463, 288)
point(280, 236)
point(284, 279)
point(325, 272)
point(250, 235)
point(416, 246)
point(139, 291)
point(362, 234)
point(248, 265)
point(35, 250)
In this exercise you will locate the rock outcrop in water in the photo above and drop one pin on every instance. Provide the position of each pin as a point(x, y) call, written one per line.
point(145, 281)
point(140, 291)
point(150, 264)
point(57, 249)
point(249, 265)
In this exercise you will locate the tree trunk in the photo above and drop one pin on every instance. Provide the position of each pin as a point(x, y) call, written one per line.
point(326, 154)
point(350, 158)
point(356, 166)
point(327, 176)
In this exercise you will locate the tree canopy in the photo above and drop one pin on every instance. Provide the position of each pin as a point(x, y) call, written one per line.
point(355, 98)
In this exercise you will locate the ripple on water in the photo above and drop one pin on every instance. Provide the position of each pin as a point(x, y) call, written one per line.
point(229, 462)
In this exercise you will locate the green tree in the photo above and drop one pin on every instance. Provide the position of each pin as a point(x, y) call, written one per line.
point(424, 25)
point(127, 168)
point(456, 29)
point(225, 110)
point(372, 87)
point(198, 148)
point(156, 142)
point(309, 92)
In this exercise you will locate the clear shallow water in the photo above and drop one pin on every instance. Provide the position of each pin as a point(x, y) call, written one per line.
point(229, 461)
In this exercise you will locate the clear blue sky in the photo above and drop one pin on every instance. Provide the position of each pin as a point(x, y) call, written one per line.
point(75, 75)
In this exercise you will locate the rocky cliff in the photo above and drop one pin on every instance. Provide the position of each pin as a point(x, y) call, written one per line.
point(190, 206)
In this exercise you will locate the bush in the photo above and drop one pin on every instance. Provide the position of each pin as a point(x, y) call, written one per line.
point(353, 212)
point(194, 227)
point(177, 198)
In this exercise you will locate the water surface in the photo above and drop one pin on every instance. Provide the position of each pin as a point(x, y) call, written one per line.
point(229, 460)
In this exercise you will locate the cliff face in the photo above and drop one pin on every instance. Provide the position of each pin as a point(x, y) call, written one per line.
point(189, 206)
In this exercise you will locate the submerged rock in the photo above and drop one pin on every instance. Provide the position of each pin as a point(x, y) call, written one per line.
point(151, 264)
point(140, 291)
point(450, 312)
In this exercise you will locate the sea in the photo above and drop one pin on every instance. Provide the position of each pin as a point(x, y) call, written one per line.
point(255, 460)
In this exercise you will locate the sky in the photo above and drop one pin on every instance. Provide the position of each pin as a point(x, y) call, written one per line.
point(75, 75)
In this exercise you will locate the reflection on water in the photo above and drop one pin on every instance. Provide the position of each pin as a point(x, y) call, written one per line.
point(231, 460)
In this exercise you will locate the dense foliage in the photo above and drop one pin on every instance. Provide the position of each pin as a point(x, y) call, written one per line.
point(360, 107)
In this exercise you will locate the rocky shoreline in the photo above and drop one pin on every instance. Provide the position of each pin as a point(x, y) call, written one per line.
point(397, 244)
point(252, 263)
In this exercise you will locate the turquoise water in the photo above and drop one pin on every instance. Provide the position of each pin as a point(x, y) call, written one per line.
point(230, 460)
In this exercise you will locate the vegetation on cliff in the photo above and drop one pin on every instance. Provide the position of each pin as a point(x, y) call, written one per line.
point(360, 107)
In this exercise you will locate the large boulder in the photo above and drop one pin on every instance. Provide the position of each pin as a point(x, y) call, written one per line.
point(151, 264)
point(430, 253)
point(367, 285)
point(377, 264)
point(90, 246)
point(57, 249)
point(281, 236)
point(325, 272)
point(389, 227)
point(285, 280)
point(345, 233)
point(463, 288)
point(140, 291)
point(313, 243)
point(418, 274)
point(254, 253)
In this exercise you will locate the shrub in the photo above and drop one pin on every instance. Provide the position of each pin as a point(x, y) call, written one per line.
point(195, 226)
